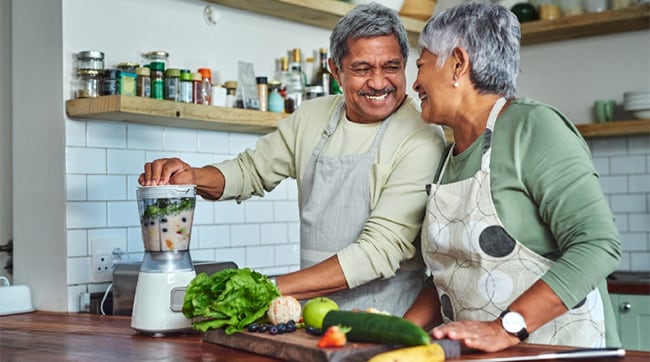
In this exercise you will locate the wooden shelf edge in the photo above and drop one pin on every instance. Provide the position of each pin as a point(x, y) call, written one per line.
point(172, 114)
point(615, 129)
point(607, 22)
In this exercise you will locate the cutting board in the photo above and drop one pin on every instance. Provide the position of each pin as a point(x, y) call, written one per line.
point(296, 346)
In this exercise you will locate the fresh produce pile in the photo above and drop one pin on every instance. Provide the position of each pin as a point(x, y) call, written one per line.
point(231, 298)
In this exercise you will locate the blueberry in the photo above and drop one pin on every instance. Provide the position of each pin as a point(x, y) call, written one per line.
point(281, 327)
point(291, 328)
point(253, 327)
point(273, 330)
point(263, 328)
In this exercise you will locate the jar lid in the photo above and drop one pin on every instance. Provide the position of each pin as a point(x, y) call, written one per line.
point(230, 84)
point(205, 72)
point(90, 54)
point(197, 76)
point(275, 84)
point(173, 72)
point(144, 71)
point(186, 74)
point(92, 72)
point(261, 80)
point(127, 65)
point(157, 66)
point(157, 54)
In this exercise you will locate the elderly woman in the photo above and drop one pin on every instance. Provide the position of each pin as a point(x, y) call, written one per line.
point(518, 236)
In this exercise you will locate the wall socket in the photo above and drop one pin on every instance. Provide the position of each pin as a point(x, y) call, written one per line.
point(103, 259)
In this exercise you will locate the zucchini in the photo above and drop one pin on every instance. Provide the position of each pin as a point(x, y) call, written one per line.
point(377, 328)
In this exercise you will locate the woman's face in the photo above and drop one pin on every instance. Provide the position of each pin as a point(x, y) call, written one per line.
point(372, 78)
point(433, 86)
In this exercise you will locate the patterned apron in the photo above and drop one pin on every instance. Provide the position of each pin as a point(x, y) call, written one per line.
point(479, 269)
point(335, 205)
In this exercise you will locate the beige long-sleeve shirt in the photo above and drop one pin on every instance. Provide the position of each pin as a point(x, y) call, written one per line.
point(406, 160)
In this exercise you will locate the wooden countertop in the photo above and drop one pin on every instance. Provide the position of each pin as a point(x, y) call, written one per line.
point(42, 336)
point(628, 282)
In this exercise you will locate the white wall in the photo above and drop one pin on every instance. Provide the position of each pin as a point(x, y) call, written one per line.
point(5, 132)
point(101, 160)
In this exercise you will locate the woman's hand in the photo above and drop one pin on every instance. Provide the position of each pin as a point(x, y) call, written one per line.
point(167, 171)
point(483, 336)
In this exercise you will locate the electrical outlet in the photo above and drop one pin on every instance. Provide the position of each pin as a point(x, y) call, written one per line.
point(103, 259)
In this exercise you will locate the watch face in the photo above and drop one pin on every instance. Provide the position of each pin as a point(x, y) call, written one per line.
point(513, 322)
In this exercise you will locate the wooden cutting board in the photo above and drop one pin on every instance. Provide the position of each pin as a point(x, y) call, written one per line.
point(296, 346)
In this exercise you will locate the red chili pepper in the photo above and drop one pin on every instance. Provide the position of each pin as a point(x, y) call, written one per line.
point(334, 336)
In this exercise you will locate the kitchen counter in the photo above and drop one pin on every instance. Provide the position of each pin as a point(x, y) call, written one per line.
point(41, 336)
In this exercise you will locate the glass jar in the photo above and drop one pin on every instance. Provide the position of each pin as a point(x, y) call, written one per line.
point(186, 86)
point(90, 59)
point(172, 84)
point(143, 82)
point(231, 93)
point(314, 91)
point(157, 56)
point(157, 80)
point(127, 78)
point(89, 83)
point(109, 82)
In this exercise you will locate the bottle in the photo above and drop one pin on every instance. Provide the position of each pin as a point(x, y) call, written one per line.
point(323, 75)
point(157, 80)
point(295, 86)
point(262, 93)
point(143, 82)
point(206, 85)
point(275, 101)
point(109, 87)
point(310, 70)
point(172, 84)
point(185, 95)
point(197, 88)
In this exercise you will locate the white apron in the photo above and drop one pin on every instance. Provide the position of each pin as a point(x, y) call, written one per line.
point(335, 205)
point(479, 269)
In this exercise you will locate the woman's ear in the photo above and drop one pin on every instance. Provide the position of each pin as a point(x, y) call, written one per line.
point(461, 62)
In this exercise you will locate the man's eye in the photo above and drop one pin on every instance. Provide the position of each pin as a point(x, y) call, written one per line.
point(392, 69)
point(361, 71)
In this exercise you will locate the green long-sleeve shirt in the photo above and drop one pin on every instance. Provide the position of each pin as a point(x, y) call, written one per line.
point(548, 196)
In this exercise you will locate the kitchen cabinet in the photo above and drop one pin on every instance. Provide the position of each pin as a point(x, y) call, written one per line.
point(633, 320)
point(325, 14)
point(176, 114)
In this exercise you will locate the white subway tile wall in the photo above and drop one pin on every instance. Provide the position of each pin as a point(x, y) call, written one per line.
point(624, 167)
point(104, 160)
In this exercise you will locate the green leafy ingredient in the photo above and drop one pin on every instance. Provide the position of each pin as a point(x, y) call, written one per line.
point(231, 298)
point(165, 207)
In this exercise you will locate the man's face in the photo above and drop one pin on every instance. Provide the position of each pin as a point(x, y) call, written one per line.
point(372, 78)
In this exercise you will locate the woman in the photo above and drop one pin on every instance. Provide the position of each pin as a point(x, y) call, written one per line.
point(517, 235)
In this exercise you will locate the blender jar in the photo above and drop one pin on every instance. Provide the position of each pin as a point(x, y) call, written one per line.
point(166, 215)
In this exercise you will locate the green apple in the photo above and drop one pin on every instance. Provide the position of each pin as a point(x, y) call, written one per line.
point(314, 310)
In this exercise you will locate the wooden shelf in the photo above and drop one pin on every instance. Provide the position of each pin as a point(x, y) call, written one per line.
point(172, 114)
point(198, 116)
point(591, 24)
point(325, 14)
point(616, 128)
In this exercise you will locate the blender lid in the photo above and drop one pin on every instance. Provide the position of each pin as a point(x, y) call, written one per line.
point(166, 191)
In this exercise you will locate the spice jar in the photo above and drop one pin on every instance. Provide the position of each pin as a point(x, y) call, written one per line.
point(90, 59)
point(186, 86)
point(143, 82)
point(172, 84)
point(157, 80)
point(126, 78)
point(109, 82)
point(89, 83)
point(206, 85)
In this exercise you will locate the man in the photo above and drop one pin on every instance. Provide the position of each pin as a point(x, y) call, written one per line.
point(361, 161)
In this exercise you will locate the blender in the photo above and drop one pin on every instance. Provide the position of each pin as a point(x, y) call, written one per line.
point(166, 214)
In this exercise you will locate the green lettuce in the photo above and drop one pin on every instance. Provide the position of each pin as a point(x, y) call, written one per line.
point(231, 298)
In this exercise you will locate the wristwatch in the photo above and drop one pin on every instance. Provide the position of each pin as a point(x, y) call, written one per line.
point(514, 324)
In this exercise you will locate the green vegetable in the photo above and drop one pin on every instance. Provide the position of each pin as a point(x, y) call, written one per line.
point(377, 328)
point(231, 298)
point(165, 207)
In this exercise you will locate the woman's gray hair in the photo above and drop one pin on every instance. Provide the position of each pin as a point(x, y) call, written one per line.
point(366, 21)
point(491, 36)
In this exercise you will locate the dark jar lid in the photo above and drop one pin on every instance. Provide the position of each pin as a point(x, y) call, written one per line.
point(110, 73)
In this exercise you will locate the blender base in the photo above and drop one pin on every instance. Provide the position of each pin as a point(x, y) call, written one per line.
point(158, 302)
